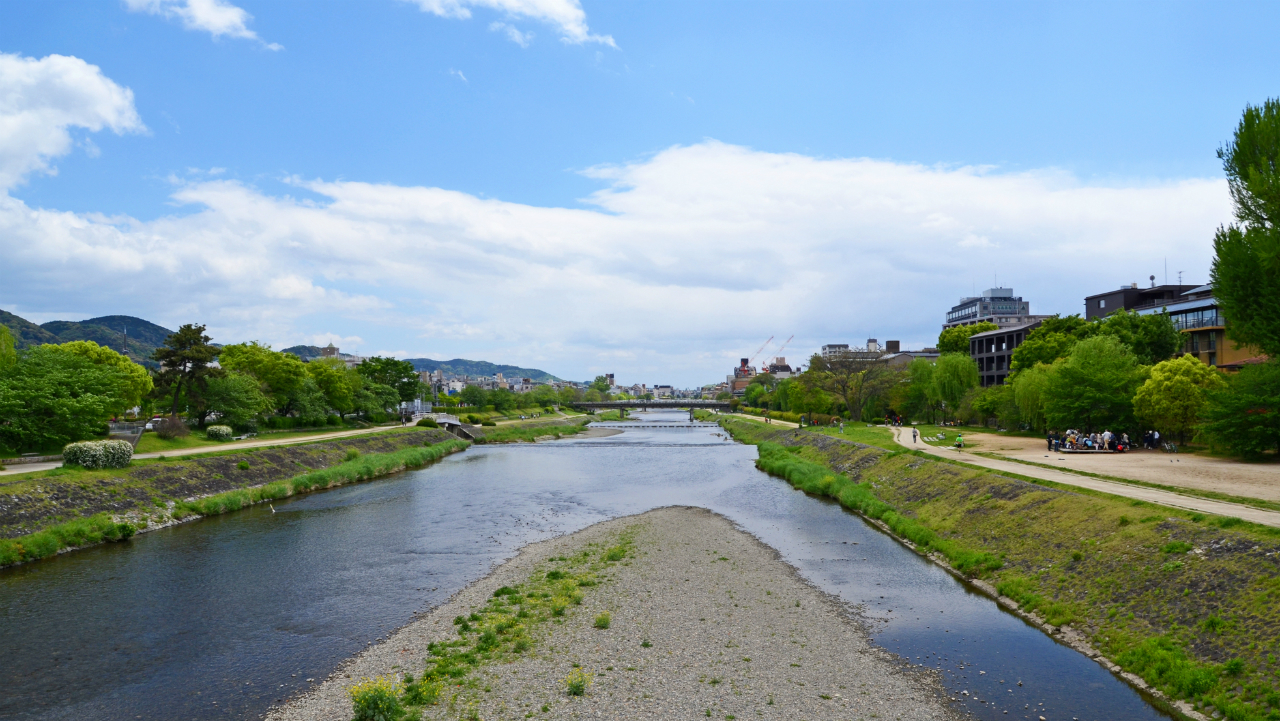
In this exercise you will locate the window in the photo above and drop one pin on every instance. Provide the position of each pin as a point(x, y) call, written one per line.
point(1195, 342)
point(1213, 343)
point(1213, 359)
point(1102, 303)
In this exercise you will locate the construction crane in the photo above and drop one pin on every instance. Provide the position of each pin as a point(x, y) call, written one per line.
point(783, 346)
point(753, 357)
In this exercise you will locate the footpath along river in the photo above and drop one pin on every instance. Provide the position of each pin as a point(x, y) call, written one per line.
point(223, 617)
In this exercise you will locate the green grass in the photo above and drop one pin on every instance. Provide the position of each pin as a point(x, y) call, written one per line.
point(79, 532)
point(100, 527)
point(1189, 602)
point(361, 468)
point(503, 629)
point(878, 436)
point(522, 432)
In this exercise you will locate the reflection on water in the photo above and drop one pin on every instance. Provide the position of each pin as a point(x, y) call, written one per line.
point(223, 617)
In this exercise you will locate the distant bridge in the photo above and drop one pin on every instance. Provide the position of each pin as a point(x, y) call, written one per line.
point(654, 405)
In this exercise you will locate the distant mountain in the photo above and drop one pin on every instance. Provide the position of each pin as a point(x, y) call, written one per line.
point(310, 352)
point(461, 367)
point(108, 330)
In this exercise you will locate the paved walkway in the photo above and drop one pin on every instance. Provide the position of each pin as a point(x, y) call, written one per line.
point(1153, 495)
point(257, 442)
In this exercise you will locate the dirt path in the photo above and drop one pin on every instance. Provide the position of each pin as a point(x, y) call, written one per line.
point(1185, 470)
point(705, 621)
point(1153, 495)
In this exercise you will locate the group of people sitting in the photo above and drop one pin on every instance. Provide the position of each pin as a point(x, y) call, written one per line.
point(1074, 440)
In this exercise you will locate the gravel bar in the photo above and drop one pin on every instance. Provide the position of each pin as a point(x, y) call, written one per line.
point(705, 621)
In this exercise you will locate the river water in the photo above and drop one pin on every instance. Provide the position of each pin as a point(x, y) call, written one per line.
point(223, 617)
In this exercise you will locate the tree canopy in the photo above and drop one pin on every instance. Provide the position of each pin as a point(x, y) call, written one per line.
point(1246, 264)
point(1173, 398)
point(852, 380)
point(1092, 389)
point(953, 376)
point(50, 397)
point(397, 374)
point(137, 383)
point(956, 339)
point(1244, 417)
point(184, 366)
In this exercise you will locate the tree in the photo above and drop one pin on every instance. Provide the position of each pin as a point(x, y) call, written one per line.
point(473, 396)
point(1041, 348)
point(956, 339)
point(398, 374)
point(996, 402)
point(601, 383)
point(502, 400)
point(368, 397)
point(282, 375)
point(8, 356)
point(331, 377)
point(1092, 389)
point(184, 365)
point(137, 380)
point(1152, 337)
point(1028, 392)
point(50, 397)
point(1246, 264)
point(1244, 417)
point(1173, 398)
point(237, 398)
point(953, 376)
point(918, 397)
point(852, 380)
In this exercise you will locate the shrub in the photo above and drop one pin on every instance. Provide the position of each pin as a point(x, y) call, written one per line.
point(602, 621)
point(376, 699)
point(98, 454)
point(352, 454)
point(243, 465)
point(333, 421)
point(218, 433)
point(1177, 547)
point(422, 693)
point(427, 423)
point(172, 427)
point(487, 422)
point(473, 419)
point(576, 682)
point(1159, 660)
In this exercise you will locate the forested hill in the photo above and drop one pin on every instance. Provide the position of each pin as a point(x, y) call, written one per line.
point(462, 366)
point(107, 330)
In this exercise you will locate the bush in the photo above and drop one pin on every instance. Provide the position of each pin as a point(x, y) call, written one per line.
point(352, 454)
point(487, 423)
point(378, 417)
point(218, 433)
point(473, 419)
point(172, 427)
point(602, 621)
point(98, 454)
point(376, 699)
point(576, 682)
point(427, 423)
point(333, 421)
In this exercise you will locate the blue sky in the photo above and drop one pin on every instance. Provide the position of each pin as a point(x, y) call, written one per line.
point(649, 189)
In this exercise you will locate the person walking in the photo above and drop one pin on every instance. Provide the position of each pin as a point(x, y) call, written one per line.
point(915, 436)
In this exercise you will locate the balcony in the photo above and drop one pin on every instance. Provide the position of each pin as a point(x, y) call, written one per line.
point(1212, 321)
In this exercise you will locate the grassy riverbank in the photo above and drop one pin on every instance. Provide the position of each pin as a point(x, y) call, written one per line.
point(1189, 603)
point(529, 431)
point(61, 501)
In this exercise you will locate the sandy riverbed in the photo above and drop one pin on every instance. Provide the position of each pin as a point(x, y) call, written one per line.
point(713, 603)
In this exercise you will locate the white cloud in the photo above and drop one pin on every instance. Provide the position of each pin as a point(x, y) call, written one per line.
point(217, 17)
point(513, 34)
point(685, 261)
point(565, 15)
point(42, 100)
point(458, 74)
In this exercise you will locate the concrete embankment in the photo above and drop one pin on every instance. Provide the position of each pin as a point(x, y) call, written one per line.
point(703, 621)
point(1184, 604)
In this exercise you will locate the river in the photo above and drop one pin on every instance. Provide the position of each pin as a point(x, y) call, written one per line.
point(223, 617)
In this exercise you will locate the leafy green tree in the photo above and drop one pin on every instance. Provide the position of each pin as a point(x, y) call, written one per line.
point(807, 398)
point(184, 366)
point(368, 397)
point(331, 377)
point(956, 340)
point(1172, 399)
point(568, 395)
point(137, 383)
point(8, 356)
point(756, 394)
point(50, 397)
point(996, 402)
point(593, 395)
point(853, 381)
point(1092, 389)
point(1152, 338)
point(601, 383)
point(502, 400)
point(308, 402)
point(953, 376)
point(398, 374)
point(1244, 417)
point(917, 398)
point(282, 375)
point(1028, 393)
point(474, 396)
point(237, 398)
point(1246, 264)
point(1041, 348)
